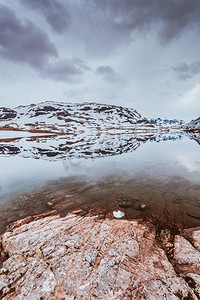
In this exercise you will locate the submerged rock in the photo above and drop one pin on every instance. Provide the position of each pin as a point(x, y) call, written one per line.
point(78, 257)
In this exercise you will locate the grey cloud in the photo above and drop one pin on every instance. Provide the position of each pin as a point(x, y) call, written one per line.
point(81, 64)
point(101, 26)
point(23, 41)
point(108, 73)
point(54, 12)
point(185, 71)
point(66, 70)
point(168, 18)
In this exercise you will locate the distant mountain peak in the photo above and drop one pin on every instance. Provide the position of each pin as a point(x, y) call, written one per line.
point(166, 122)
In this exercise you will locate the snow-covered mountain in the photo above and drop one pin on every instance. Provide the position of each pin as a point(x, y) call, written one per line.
point(69, 118)
point(193, 125)
point(167, 122)
point(54, 131)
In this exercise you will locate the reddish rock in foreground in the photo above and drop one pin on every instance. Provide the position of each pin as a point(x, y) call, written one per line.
point(86, 258)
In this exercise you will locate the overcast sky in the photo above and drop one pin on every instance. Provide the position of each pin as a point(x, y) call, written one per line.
point(143, 54)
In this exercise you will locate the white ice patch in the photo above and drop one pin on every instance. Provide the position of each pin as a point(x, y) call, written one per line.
point(118, 214)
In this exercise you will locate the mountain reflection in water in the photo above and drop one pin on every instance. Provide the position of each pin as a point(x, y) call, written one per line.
point(81, 146)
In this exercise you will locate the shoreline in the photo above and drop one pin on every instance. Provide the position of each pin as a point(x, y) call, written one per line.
point(172, 204)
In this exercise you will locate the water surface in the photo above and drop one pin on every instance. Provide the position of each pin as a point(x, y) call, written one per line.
point(154, 178)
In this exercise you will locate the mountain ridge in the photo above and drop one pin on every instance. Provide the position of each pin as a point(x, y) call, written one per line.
point(69, 117)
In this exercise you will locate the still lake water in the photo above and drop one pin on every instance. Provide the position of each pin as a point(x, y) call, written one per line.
point(153, 178)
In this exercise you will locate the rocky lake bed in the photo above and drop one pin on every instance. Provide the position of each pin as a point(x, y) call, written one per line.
point(67, 240)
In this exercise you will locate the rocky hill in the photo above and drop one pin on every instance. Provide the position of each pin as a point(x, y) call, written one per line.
point(62, 117)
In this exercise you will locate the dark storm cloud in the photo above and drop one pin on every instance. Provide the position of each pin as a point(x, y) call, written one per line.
point(185, 71)
point(168, 18)
point(101, 26)
point(23, 41)
point(54, 12)
point(108, 73)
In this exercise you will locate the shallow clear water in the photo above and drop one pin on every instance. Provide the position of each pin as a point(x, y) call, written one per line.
point(156, 179)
